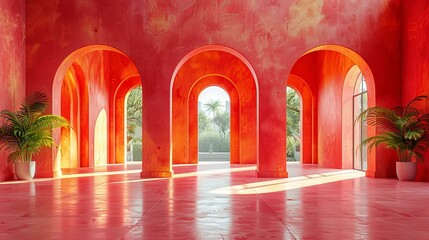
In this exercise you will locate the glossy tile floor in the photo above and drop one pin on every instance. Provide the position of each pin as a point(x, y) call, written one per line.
point(214, 201)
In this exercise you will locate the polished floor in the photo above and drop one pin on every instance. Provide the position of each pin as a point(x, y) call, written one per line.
point(214, 201)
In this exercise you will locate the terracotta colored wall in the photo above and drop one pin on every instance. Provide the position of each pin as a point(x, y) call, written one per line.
point(333, 68)
point(415, 68)
point(271, 35)
point(102, 73)
point(220, 67)
point(12, 64)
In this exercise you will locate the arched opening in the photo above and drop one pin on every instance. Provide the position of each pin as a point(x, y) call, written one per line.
point(133, 127)
point(119, 129)
point(308, 154)
point(324, 69)
point(293, 123)
point(214, 66)
point(214, 125)
point(85, 90)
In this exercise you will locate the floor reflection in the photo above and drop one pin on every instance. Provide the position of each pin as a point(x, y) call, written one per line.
point(213, 201)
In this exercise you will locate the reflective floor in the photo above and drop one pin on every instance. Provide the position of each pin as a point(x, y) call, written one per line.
point(214, 201)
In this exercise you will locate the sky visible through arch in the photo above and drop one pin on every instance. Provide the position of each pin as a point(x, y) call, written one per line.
point(214, 93)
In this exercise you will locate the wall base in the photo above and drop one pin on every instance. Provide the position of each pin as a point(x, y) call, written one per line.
point(369, 173)
point(57, 174)
point(156, 174)
point(43, 174)
point(271, 174)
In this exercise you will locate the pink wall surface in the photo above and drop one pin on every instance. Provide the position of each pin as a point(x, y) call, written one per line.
point(12, 65)
point(415, 68)
point(272, 36)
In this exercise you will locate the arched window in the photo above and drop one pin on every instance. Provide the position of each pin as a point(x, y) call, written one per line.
point(360, 104)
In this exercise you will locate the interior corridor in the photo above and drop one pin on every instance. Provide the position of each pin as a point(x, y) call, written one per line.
point(213, 201)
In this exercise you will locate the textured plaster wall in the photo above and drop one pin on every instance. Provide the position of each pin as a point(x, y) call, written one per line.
point(12, 65)
point(271, 35)
point(333, 68)
point(415, 69)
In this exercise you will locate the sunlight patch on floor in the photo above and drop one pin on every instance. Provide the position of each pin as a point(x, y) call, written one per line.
point(289, 183)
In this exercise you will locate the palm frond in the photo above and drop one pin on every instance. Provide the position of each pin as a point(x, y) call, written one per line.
point(404, 129)
point(24, 132)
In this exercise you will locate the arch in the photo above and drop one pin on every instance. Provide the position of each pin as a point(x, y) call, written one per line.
point(229, 87)
point(114, 67)
point(207, 66)
point(117, 131)
point(350, 58)
point(308, 154)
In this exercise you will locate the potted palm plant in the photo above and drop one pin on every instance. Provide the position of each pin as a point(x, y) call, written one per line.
point(23, 133)
point(404, 129)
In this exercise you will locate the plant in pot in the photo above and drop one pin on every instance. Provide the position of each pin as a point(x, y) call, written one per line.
point(26, 131)
point(404, 129)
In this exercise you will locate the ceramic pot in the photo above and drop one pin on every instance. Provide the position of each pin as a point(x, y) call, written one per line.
point(25, 170)
point(406, 171)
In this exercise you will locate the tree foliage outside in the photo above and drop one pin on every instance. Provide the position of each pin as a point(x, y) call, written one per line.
point(134, 108)
point(216, 137)
point(134, 114)
point(293, 108)
point(213, 107)
point(221, 120)
point(203, 122)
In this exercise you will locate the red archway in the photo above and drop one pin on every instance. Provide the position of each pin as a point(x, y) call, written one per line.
point(308, 153)
point(90, 81)
point(208, 66)
point(326, 79)
point(117, 130)
point(229, 87)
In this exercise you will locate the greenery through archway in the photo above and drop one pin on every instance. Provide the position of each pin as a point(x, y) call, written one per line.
point(293, 108)
point(214, 124)
point(134, 124)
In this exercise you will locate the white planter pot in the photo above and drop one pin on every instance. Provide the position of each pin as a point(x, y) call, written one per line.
point(25, 170)
point(406, 171)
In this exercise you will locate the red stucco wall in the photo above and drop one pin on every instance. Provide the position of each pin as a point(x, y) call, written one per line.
point(415, 68)
point(272, 36)
point(12, 64)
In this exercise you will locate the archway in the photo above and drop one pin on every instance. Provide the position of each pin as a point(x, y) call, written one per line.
point(235, 143)
point(220, 66)
point(324, 69)
point(308, 154)
point(88, 80)
point(214, 125)
point(133, 125)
